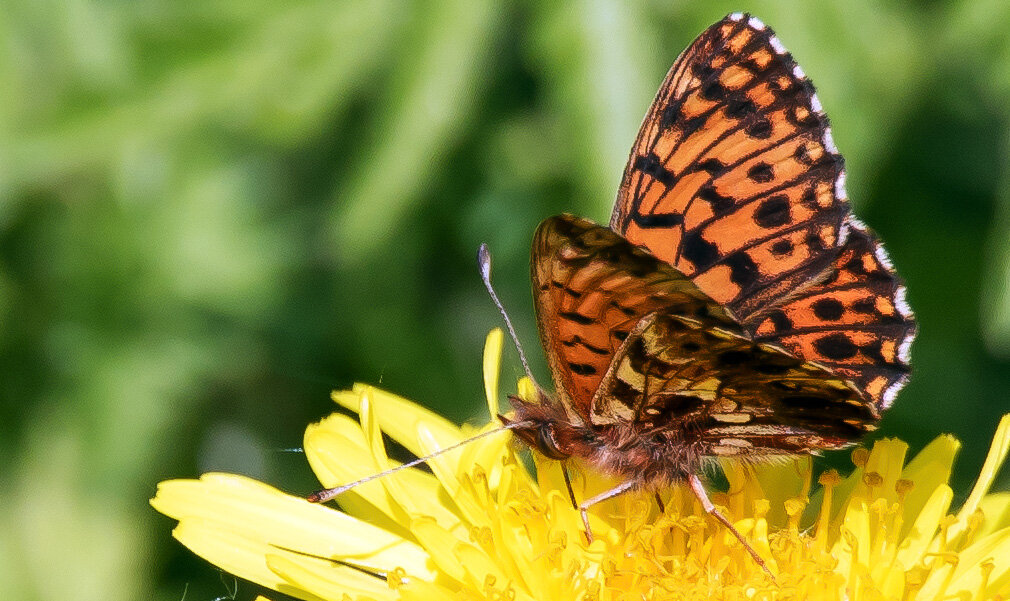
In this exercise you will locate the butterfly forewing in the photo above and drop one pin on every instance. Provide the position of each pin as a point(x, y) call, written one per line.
point(734, 179)
point(591, 288)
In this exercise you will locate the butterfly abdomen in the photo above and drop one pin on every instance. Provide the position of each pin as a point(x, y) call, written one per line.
point(653, 461)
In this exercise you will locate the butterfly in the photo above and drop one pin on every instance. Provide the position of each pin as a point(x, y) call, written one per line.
point(734, 307)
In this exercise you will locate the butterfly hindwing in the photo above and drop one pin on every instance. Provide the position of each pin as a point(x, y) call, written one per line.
point(718, 388)
point(854, 319)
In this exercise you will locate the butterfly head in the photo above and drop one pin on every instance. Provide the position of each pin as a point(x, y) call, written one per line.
point(544, 426)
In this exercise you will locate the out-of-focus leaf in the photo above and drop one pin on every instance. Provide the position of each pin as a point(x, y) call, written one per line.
point(599, 78)
point(275, 78)
point(435, 85)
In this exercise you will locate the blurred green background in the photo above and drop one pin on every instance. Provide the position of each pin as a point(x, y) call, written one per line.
point(213, 213)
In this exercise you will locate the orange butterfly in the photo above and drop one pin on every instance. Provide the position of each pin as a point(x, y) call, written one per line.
point(734, 307)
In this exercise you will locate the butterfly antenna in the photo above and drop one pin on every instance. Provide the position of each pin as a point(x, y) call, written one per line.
point(322, 496)
point(484, 260)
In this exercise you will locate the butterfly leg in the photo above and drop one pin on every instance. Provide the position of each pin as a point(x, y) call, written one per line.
point(568, 484)
point(603, 496)
point(659, 501)
point(699, 491)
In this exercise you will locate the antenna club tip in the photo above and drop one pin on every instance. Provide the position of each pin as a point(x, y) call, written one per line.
point(316, 497)
point(484, 259)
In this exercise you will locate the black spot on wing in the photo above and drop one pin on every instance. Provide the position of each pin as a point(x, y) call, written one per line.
point(578, 341)
point(713, 167)
point(866, 305)
point(773, 212)
point(836, 346)
point(653, 167)
point(782, 248)
point(690, 347)
point(802, 155)
point(760, 129)
point(734, 357)
point(809, 198)
point(720, 204)
point(661, 220)
point(576, 317)
point(828, 309)
point(780, 321)
point(698, 250)
point(669, 115)
point(628, 311)
point(702, 70)
point(761, 173)
point(713, 91)
point(771, 369)
point(694, 124)
point(740, 107)
point(743, 269)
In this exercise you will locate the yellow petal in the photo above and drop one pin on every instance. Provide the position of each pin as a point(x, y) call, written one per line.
point(485, 529)
point(993, 461)
point(337, 458)
point(339, 461)
point(490, 454)
point(327, 579)
point(444, 465)
point(839, 499)
point(419, 590)
point(408, 503)
point(527, 390)
point(492, 361)
point(924, 527)
point(439, 543)
point(235, 554)
point(930, 469)
point(264, 514)
point(399, 417)
point(852, 548)
point(886, 462)
point(968, 575)
point(479, 566)
point(996, 509)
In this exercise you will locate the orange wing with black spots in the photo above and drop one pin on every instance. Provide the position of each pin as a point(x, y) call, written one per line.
point(591, 288)
point(734, 178)
point(633, 341)
point(735, 306)
point(854, 320)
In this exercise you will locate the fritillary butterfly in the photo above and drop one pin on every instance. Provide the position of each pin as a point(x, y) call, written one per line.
point(734, 307)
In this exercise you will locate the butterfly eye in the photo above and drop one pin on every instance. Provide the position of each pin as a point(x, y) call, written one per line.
point(547, 442)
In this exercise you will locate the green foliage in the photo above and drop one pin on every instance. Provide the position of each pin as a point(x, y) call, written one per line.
point(212, 213)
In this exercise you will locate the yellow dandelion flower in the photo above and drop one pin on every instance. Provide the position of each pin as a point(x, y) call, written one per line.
point(480, 526)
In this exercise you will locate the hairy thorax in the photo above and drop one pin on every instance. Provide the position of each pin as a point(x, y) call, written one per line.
point(653, 458)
